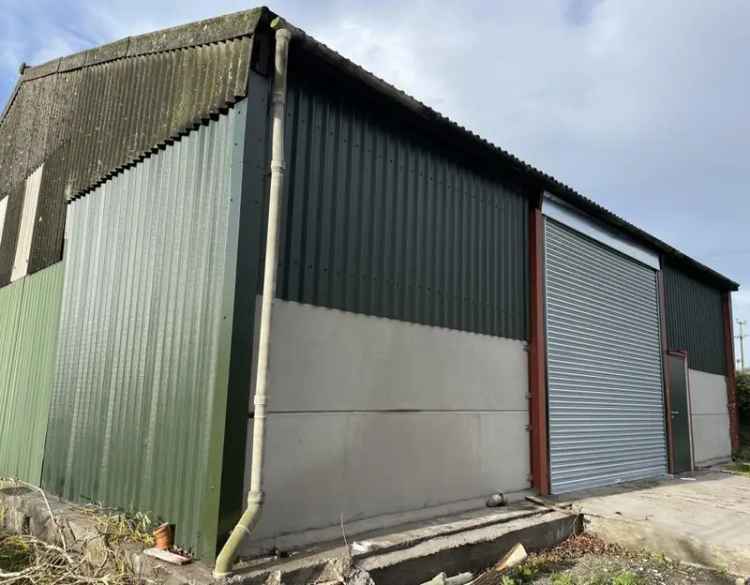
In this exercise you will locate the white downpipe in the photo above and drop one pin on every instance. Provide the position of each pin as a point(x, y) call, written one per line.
point(255, 496)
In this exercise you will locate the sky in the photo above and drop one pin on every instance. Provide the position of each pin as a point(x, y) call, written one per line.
point(643, 106)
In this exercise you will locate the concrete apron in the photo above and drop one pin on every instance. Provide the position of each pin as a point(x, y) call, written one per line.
point(411, 554)
point(407, 554)
point(702, 519)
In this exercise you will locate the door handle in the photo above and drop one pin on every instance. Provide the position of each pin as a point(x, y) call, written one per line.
point(674, 412)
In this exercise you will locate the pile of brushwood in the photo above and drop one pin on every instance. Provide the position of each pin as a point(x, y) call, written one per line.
point(26, 560)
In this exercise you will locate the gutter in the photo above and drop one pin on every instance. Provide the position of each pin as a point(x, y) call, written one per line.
point(256, 496)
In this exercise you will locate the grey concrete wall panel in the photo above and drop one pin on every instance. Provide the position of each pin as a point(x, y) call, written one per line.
point(367, 419)
point(139, 399)
point(605, 388)
point(709, 417)
point(329, 360)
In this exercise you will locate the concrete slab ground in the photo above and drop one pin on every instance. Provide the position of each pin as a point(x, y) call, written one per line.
point(703, 517)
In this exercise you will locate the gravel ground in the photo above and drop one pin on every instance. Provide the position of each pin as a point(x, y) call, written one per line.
point(587, 560)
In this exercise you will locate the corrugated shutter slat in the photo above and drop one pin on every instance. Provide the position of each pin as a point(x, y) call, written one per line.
point(606, 406)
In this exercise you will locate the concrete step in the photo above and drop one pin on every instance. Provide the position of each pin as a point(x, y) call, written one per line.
point(412, 555)
point(473, 550)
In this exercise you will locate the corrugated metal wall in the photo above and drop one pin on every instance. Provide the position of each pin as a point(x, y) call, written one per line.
point(695, 321)
point(137, 418)
point(604, 369)
point(380, 219)
point(29, 319)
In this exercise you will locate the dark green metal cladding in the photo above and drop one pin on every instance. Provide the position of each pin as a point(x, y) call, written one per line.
point(382, 220)
point(254, 190)
point(140, 395)
point(695, 320)
point(29, 319)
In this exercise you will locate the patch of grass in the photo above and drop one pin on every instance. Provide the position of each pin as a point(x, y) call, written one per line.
point(528, 571)
point(626, 578)
point(742, 468)
point(562, 579)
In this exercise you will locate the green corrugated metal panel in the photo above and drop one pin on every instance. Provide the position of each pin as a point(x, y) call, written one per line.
point(695, 321)
point(139, 404)
point(29, 319)
point(382, 220)
point(10, 310)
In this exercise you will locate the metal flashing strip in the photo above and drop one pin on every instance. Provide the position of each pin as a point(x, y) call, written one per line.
point(573, 218)
point(3, 210)
point(28, 221)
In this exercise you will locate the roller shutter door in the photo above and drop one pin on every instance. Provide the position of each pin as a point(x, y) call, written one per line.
point(606, 411)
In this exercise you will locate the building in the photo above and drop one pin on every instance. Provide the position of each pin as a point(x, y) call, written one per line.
point(449, 320)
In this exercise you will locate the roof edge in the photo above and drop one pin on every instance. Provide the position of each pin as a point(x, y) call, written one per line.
point(203, 32)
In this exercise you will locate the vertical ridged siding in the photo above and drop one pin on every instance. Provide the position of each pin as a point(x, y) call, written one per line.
point(141, 383)
point(695, 321)
point(604, 369)
point(29, 319)
point(380, 220)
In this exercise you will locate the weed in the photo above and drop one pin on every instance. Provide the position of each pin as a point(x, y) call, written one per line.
point(626, 578)
point(118, 527)
point(532, 568)
point(739, 467)
point(562, 579)
point(15, 554)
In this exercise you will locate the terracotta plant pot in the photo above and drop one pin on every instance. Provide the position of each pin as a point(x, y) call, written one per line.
point(164, 537)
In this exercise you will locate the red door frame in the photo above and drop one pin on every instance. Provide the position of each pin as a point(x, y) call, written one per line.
point(665, 369)
point(734, 423)
point(537, 355)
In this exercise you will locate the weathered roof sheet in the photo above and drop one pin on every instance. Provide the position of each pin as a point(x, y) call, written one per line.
point(88, 115)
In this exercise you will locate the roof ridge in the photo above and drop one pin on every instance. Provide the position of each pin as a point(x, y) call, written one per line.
point(183, 36)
